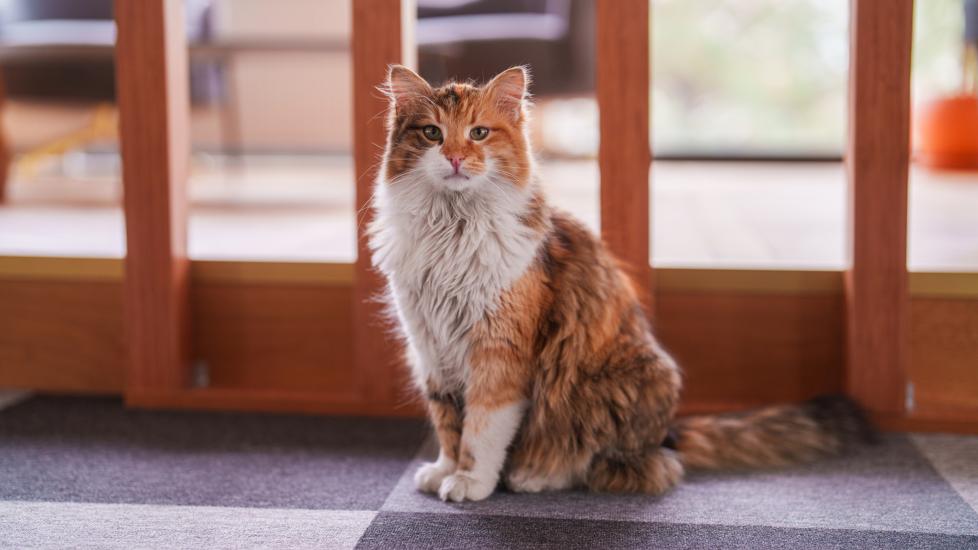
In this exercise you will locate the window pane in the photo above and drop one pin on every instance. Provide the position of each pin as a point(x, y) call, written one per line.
point(787, 215)
point(59, 123)
point(272, 170)
point(943, 232)
point(749, 77)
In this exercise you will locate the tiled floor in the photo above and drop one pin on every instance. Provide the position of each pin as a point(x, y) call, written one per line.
point(87, 472)
point(704, 214)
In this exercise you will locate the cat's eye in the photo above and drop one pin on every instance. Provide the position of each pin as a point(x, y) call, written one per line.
point(431, 132)
point(479, 133)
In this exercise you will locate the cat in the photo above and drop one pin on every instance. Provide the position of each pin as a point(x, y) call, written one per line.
point(524, 335)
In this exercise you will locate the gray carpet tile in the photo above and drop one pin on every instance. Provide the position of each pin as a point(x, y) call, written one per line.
point(88, 472)
point(886, 487)
point(956, 458)
point(416, 530)
point(94, 450)
point(125, 526)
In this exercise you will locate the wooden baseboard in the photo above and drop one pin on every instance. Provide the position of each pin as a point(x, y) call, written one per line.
point(693, 408)
point(62, 336)
point(890, 423)
point(330, 404)
point(882, 422)
point(218, 399)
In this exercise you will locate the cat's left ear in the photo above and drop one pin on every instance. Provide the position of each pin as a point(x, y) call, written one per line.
point(405, 86)
point(508, 89)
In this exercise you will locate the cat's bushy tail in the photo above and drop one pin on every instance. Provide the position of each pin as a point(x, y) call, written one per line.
point(772, 436)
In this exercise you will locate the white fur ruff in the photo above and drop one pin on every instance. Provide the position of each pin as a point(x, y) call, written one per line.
point(449, 251)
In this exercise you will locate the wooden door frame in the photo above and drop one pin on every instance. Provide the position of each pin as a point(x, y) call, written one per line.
point(878, 157)
point(625, 152)
point(154, 106)
point(377, 43)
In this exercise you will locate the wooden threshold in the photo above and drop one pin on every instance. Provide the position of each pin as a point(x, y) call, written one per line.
point(45, 268)
point(668, 279)
point(770, 281)
point(944, 285)
point(272, 272)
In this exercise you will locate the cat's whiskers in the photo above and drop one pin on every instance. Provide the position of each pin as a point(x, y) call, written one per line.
point(362, 211)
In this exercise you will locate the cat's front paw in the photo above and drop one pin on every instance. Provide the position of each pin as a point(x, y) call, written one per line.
point(459, 487)
point(429, 476)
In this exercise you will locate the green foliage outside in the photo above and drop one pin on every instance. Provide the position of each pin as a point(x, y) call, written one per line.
point(770, 76)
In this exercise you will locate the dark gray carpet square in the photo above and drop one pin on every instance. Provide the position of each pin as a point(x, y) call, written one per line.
point(94, 450)
point(887, 487)
point(407, 530)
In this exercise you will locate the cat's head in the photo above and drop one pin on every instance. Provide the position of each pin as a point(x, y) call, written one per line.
point(458, 136)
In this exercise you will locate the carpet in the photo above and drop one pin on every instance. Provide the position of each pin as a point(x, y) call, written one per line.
point(86, 472)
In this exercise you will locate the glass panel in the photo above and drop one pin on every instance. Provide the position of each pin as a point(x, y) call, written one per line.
point(787, 215)
point(63, 192)
point(749, 77)
point(943, 184)
point(761, 79)
point(555, 38)
point(272, 170)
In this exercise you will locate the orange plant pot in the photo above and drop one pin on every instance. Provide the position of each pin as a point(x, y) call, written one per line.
point(947, 133)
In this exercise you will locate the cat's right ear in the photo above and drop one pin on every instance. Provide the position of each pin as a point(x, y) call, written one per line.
point(404, 86)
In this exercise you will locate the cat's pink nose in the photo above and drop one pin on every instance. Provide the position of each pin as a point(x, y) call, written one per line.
point(456, 161)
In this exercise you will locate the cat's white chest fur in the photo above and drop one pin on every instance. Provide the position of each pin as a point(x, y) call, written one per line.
point(448, 256)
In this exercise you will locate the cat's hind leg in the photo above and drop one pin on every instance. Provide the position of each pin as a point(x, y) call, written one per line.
point(530, 481)
point(538, 464)
point(653, 472)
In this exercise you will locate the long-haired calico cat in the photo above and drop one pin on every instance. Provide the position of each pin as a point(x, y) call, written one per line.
point(524, 335)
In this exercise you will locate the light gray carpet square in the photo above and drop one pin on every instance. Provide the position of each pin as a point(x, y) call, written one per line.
point(956, 458)
point(126, 526)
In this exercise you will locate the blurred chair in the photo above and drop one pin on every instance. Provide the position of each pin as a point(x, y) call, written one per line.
point(478, 38)
point(63, 51)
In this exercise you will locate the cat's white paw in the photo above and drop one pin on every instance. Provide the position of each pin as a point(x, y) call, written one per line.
point(429, 476)
point(459, 487)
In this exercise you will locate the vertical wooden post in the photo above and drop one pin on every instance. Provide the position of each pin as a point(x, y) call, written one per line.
point(877, 296)
point(376, 44)
point(624, 155)
point(152, 90)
